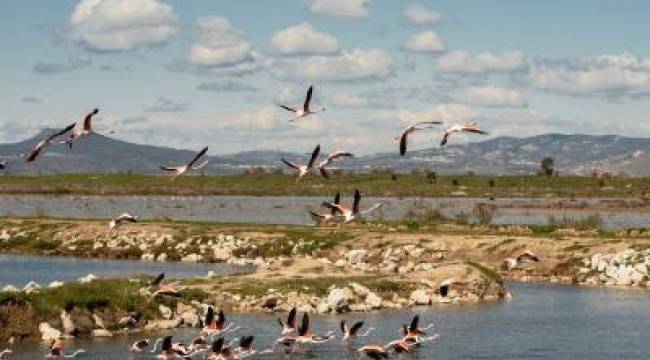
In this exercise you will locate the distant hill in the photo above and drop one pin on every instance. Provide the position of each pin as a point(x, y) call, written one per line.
point(573, 154)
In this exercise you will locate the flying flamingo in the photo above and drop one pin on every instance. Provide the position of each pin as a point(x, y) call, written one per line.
point(351, 332)
point(326, 216)
point(56, 351)
point(402, 138)
point(290, 326)
point(471, 127)
point(82, 129)
point(304, 170)
point(182, 169)
point(40, 147)
point(120, 220)
point(514, 262)
point(350, 214)
point(305, 110)
point(330, 158)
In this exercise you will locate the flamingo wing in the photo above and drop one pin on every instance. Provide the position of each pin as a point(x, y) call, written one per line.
point(290, 164)
point(198, 156)
point(314, 156)
point(357, 201)
point(305, 106)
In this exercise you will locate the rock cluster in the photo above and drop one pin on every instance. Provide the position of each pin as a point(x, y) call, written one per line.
point(626, 268)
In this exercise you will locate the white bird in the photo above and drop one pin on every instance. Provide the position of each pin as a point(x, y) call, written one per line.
point(402, 138)
point(5, 353)
point(304, 170)
point(56, 351)
point(120, 220)
point(351, 213)
point(318, 217)
point(141, 345)
point(182, 169)
point(330, 158)
point(471, 127)
point(82, 129)
point(305, 110)
point(523, 258)
point(351, 332)
point(40, 147)
point(448, 284)
point(290, 326)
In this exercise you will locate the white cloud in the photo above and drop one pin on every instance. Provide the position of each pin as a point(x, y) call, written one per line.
point(492, 96)
point(606, 75)
point(121, 25)
point(443, 112)
point(303, 40)
point(219, 44)
point(358, 64)
point(426, 41)
point(341, 9)
point(163, 104)
point(421, 15)
point(460, 61)
point(349, 101)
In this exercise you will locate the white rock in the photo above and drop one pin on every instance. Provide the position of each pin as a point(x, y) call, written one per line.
point(148, 257)
point(99, 322)
point(390, 268)
point(595, 261)
point(48, 332)
point(338, 299)
point(192, 258)
point(221, 254)
point(602, 265)
point(66, 322)
point(360, 290)
point(31, 287)
point(162, 257)
point(323, 307)
point(355, 256)
point(101, 333)
point(55, 284)
point(420, 297)
point(373, 300)
point(641, 268)
point(10, 288)
point(88, 278)
point(162, 324)
point(165, 311)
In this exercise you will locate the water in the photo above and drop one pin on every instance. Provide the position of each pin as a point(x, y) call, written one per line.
point(540, 322)
point(293, 210)
point(18, 270)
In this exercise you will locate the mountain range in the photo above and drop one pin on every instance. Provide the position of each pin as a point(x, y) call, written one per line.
point(573, 154)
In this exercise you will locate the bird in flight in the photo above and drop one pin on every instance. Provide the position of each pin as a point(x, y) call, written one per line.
point(82, 129)
point(182, 169)
point(305, 110)
point(349, 214)
point(330, 158)
point(39, 148)
point(402, 138)
point(471, 127)
point(304, 169)
point(121, 220)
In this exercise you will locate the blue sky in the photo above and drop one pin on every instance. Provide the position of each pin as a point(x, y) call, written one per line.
point(207, 72)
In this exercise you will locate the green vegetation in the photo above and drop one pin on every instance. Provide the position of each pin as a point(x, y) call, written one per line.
point(296, 241)
point(382, 285)
point(489, 273)
point(383, 183)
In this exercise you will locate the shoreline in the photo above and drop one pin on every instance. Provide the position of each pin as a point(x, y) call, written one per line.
point(369, 267)
point(381, 184)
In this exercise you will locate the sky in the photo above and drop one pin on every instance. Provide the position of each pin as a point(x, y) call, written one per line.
point(187, 74)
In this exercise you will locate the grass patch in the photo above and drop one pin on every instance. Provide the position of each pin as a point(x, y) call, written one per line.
point(489, 273)
point(385, 183)
point(320, 286)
